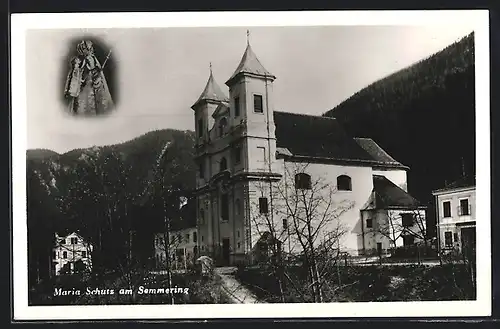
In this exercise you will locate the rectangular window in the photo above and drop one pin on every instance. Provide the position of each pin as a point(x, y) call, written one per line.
point(236, 106)
point(261, 154)
point(257, 104)
point(74, 240)
point(201, 170)
point(237, 155)
point(179, 238)
point(407, 220)
point(195, 237)
point(448, 239)
point(200, 127)
point(84, 254)
point(446, 209)
point(54, 255)
point(224, 208)
point(187, 237)
point(455, 237)
point(65, 254)
point(202, 238)
point(263, 206)
point(238, 233)
point(369, 223)
point(464, 207)
point(285, 223)
point(239, 245)
point(63, 241)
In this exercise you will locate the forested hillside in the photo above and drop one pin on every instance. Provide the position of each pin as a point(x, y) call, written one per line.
point(105, 192)
point(424, 116)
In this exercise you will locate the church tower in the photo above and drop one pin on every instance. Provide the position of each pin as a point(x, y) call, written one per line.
point(251, 97)
point(204, 107)
point(236, 154)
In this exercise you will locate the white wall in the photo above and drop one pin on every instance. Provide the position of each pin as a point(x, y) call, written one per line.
point(74, 252)
point(362, 186)
point(448, 224)
point(387, 227)
point(187, 244)
point(397, 176)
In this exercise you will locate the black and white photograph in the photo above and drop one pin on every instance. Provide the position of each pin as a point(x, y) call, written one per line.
point(341, 162)
point(86, 88)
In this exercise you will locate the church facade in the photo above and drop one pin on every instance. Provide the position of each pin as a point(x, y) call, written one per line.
point(255, 162)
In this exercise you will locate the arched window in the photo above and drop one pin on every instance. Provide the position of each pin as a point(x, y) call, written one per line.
point(202, 216)
point(344, 183)
point(223, 164)
point(222, 126)
point(302, 181)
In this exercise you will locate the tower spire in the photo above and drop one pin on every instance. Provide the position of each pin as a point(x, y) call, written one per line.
point(250, 64)
point(210, 68)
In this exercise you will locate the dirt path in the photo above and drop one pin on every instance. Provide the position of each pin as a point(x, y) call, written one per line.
point(236, 291)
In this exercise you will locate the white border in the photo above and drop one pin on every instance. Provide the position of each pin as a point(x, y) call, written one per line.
point(23, 22)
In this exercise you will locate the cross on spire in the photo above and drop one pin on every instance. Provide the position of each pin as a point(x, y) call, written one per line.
point(210, 67)
point(248, 37)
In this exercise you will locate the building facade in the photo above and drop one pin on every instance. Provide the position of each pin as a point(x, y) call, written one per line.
point(456, 214)
point(183, 248)
point(71, 254)
point(253, 162)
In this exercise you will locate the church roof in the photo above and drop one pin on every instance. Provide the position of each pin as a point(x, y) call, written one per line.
point(375, 151)
point(212, 92)
point(324, 138)
point(250, 64)
point(387, 195)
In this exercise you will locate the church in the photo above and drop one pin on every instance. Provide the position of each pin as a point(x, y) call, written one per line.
point(255, 161)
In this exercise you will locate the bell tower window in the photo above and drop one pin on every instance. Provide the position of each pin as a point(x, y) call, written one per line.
point(237, 154)
point(223, 164)
point(236, 106)
point(257, 104)
point(200, 127)
point(222, 126)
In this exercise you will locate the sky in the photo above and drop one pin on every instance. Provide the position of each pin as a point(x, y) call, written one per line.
point(162, 71)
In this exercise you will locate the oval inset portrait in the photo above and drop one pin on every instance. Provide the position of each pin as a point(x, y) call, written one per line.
point(89, 78)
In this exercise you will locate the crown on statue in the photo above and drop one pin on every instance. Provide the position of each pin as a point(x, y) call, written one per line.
point(85, 47)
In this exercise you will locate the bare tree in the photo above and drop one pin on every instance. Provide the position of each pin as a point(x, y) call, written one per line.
point(309, 210)
point(272, 234)
point(397, 224)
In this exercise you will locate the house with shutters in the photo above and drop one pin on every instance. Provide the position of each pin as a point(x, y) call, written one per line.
point(456, 215)
point(247, 150)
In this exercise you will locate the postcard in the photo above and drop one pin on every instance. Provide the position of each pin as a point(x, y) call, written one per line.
point(167, 163)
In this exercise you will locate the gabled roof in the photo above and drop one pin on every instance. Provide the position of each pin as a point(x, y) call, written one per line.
point(250, 64)
point(387, 195)
point(376, 152)
point(315, 136)
point(322, 138)
point(212, 92)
